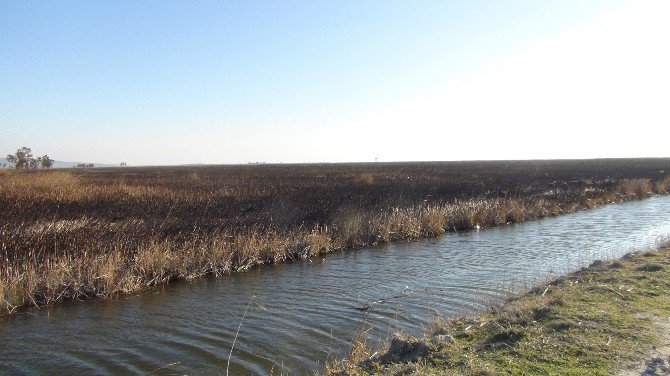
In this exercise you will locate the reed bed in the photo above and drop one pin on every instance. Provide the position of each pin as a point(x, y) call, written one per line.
point(101, 233)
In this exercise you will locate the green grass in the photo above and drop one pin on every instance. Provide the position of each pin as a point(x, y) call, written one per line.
point(593, 322)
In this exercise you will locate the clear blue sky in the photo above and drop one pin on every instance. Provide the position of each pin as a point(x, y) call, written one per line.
point(171, 82)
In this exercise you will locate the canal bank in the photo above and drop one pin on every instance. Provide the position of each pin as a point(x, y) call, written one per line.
point(610, 318)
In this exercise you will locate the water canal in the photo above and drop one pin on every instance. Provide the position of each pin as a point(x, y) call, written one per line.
point(301, 314)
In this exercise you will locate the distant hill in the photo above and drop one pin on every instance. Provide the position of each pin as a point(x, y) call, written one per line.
point(60, 164)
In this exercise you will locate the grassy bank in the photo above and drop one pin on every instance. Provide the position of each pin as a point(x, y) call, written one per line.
point(603, 320)
point(100, 233)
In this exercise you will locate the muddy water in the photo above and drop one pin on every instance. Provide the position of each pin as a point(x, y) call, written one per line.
point(299, 315)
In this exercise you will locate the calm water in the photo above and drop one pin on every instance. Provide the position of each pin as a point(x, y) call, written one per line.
point(302, 314)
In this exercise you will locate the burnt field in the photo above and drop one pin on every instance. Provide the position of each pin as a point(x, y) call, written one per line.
point(82, 233)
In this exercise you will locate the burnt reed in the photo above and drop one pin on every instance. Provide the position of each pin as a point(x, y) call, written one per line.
point(75, 234)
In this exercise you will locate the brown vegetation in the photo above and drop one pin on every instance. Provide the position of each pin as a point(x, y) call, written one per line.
point(74, 234)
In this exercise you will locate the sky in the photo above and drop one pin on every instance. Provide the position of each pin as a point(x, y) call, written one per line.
point(168, 82)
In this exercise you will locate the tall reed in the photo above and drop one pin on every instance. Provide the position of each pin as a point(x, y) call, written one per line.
point(64, 235)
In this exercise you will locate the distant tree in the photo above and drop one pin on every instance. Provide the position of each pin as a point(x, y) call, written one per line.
point(33, 163)
point(11, 159)
point(23, 160)
point(45, 161)
point(123, 164)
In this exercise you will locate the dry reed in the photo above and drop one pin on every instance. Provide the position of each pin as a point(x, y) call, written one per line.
point(68, 236)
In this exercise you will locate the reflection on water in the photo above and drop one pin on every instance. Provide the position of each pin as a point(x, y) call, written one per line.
point(301, 314)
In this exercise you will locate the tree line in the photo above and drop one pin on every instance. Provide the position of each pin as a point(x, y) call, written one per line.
point(23, 160)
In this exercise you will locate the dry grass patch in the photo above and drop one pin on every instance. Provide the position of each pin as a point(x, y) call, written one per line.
point(663, 186)
point(638, 188)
